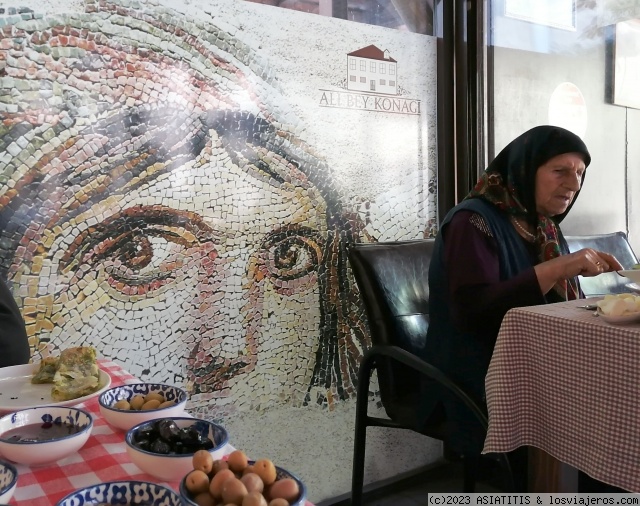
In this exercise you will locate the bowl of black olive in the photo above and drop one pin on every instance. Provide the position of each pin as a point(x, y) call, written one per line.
point(164, 447)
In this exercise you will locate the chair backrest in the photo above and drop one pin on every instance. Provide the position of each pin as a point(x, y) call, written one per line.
point(392, 279)
point(616, 244)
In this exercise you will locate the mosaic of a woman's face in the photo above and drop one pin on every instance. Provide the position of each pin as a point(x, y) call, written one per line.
point(156, 213)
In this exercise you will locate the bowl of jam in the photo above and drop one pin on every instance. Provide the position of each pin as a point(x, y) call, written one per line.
point(42, 435)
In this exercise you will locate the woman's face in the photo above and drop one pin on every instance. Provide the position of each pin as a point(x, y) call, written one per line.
point(206, 265)
point(185, 251)
point(557, 182)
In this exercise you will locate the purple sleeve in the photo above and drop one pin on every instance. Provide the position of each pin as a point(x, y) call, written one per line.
point(479, 299)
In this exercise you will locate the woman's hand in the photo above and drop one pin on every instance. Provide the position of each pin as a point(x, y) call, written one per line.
point(594, 262)
point(585, 262)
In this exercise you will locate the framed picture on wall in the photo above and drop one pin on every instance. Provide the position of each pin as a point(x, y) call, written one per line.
point(626, 64)
point(555, 13)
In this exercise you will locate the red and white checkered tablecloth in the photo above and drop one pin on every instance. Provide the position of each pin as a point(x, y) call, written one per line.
point(102, 458)
point(567, 382)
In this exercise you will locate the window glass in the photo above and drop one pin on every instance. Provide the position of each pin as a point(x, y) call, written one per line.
point(410, 15)
point(574, 64)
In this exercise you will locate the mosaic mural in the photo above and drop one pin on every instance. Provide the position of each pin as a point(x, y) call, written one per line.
point(157, 203)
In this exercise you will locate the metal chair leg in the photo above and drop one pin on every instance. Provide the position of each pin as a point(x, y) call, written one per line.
point(359, 447)
point(509, 480)
point(357, 480)
point(470, 472)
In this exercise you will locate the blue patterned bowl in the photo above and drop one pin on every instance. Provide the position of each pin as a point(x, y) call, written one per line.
point(172, 466)
point(61, 431)
point(125, 419)
point(123, 492)
point(188, 499)
point(8, 481)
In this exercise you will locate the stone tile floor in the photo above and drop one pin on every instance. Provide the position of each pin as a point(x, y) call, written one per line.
point(447, 478)
point(413, 492)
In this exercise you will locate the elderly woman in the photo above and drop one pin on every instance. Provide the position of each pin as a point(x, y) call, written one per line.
point(502, 248)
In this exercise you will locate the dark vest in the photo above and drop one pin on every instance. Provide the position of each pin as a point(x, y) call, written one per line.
point(465, 356)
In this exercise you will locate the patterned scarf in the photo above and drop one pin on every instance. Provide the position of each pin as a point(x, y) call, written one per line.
point(509, 184)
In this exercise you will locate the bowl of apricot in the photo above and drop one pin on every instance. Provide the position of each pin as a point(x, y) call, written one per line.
point(241, 482)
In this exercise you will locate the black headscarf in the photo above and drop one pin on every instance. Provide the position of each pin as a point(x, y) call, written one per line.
point(509, 183)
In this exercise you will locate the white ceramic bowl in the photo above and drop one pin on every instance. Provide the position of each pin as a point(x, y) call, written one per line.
point(125, 419)
point(173, 466)
point(49, 418)
point(281, 473)
point(8, 481)
point(122, 492)
point(632, 274)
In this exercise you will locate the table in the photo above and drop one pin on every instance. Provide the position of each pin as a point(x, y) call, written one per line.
point(568, 383)
point(102, 458)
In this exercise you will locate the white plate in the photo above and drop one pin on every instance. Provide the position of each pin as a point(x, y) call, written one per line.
point(632, 274)
point(17, 392)
point(620, 320)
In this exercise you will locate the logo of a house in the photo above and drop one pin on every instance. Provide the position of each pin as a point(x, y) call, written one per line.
point(371, 85)
point(372, 69)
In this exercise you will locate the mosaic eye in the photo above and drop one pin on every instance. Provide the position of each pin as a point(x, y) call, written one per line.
point(141, 248)
point(144, 255)
point(138, 253)
point(291, 254)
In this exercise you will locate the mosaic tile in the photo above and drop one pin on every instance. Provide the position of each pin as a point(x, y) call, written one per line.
point(161, 207)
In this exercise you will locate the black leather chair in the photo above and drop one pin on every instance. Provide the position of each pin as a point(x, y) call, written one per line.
point(392, 279)
point(615, 243)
